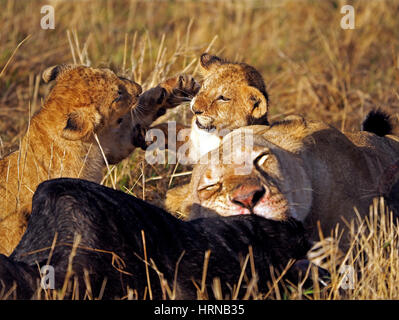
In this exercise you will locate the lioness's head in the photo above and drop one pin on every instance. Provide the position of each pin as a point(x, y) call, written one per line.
point(232, 95)
point(260, 178)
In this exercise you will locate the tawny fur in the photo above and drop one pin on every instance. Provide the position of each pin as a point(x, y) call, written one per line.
point(320, 172)
point(61, 139)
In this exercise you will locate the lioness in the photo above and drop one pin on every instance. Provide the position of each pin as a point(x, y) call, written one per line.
point(87, 117)
point(306, 170)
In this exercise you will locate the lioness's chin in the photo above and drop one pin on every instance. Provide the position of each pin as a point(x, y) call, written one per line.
point(279, 213)
point(275, 212)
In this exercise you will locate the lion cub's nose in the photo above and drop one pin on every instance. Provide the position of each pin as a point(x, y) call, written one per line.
point(248, 195)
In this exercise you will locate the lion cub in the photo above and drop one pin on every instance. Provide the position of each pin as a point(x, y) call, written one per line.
point(88, 115)
point(232, 95)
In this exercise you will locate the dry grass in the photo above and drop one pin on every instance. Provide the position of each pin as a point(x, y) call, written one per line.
point(311, 66)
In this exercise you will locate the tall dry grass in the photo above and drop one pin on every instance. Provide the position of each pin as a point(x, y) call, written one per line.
point(311, 66)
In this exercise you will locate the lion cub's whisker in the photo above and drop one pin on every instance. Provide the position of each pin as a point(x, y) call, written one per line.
point(105, 160)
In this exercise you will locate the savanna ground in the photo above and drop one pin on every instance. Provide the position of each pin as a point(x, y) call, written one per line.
point(310, 64)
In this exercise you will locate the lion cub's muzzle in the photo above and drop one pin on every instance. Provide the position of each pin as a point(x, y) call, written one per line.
point(204, 123)
point(138, 136)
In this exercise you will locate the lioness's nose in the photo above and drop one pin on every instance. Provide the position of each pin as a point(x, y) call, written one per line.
point(248, 195)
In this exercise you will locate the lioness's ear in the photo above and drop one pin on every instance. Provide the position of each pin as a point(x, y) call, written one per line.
point(77, 127)
point(207, 61)
point(51, 73)
point(258, 103)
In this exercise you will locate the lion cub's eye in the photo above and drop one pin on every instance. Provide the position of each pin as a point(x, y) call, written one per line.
point(119, 95)
point(223, 98)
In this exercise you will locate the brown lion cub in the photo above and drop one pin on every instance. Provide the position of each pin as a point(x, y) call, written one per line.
point(299, 169)
point(232, 95)
point(87, 108)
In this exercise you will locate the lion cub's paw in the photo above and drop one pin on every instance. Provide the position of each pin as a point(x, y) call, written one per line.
point(180, 89)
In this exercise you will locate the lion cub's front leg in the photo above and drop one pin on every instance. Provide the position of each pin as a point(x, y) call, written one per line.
point(167, 95)
point(155, 101)
point(180, 89)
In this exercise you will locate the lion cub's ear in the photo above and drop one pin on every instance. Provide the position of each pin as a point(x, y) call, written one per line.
point(258, 103)
point(162, 95)
point(51, 73)
point(209, 61)
point(78, 126)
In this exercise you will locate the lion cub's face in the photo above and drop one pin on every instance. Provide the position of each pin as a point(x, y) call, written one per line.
point(90, 100)
point(263, 180)
point(232, 95)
